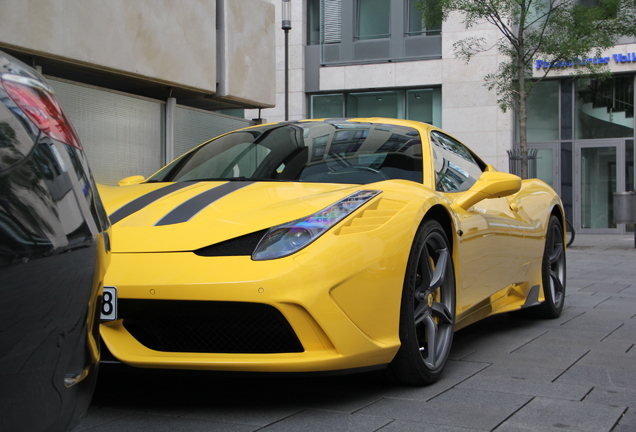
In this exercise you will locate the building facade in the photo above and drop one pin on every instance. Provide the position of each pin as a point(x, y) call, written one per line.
point(146, 80)
point(374, 58)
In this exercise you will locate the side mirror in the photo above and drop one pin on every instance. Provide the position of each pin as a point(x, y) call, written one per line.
point(132, 180)
point(491, 184)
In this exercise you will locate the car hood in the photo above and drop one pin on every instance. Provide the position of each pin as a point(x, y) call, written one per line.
point(172, 217)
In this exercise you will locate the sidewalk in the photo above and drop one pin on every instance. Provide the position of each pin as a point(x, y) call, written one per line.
point(506, 374)
point(603, 242)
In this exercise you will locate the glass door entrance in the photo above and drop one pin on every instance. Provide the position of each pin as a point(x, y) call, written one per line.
point(597, 177)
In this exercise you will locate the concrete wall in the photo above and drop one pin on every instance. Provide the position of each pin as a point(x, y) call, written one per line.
point(247, 61)
point(166, 41)
point(469, 110)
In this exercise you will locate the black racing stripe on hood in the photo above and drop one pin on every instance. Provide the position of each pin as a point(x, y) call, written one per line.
point(144, 200)
point(190, 208)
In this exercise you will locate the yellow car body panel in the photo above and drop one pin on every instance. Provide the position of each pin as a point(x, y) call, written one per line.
point(340, 294)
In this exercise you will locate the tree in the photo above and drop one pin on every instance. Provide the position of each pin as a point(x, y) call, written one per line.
point(562, 32)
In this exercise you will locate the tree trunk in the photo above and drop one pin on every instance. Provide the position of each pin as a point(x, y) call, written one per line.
point(522, 114)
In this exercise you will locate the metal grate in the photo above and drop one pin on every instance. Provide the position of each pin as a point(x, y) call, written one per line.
point(209, 327)
point(331, 24)
point(122, 134)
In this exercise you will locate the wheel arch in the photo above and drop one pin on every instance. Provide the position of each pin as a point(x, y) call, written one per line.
point(557, 211)
point(442, 215)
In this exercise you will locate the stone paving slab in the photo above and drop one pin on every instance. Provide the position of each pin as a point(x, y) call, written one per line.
point(627, 423)
point(613, 396)
point(528, 387)
point(537, 373)
point(597, 375)
point(455, 373)
point(458, 407)
point(614, 288)
point(549, 415)
point(321, 421)
point(506, 374)
point(260, 415)
point(584, 300)
point(161, 423)
point(406, 426)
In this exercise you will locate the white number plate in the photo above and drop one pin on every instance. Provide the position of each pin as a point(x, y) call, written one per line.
point(109, 303)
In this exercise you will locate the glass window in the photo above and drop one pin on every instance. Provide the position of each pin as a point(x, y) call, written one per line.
point(318, 152)
point(324, 106)
point(537, 11)
point(424, 105)
point(456, 170)
point(604, 109)
point(629, 173)
point(543, 112)
point(373, 19)
point(629, 165)
point(236, 156)
point(373, 104)
point(313, 22)
point(545, 165)
point(598, 184)
point(567, 101)
point(416, 22)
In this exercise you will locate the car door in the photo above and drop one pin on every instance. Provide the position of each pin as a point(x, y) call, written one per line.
point(490, 246)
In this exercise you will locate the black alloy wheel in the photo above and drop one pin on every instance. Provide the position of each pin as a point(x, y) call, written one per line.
point(553, 271)
point(427, 317)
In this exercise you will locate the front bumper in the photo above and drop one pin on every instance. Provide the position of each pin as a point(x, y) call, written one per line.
point(343, 311)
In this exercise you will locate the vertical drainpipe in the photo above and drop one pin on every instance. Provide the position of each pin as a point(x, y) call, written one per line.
point(220, 48)
point(171, 104)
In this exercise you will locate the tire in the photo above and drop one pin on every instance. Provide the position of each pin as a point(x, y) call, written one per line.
point(553, 271)
point(427, 313)
point(571, 234)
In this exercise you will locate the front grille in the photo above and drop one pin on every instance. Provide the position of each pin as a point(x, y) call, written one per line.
point(208, 327)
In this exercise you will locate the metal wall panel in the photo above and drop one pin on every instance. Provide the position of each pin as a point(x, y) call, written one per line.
point(122, 135)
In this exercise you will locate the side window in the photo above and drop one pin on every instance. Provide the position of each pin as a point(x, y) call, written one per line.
point(455, 168)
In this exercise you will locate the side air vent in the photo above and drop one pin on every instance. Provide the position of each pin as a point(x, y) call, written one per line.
point(239, 246)
point(373, 217)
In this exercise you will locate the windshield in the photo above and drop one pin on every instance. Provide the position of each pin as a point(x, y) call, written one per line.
point(319, 152)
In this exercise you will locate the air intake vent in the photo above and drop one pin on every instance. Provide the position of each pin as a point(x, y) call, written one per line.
point(239, 246)
point(209, 327)
point(376, 215)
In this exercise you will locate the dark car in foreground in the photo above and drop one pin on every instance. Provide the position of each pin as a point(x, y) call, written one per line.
point(54, 250)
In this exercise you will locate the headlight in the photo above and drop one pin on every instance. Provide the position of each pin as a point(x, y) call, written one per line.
point(286, 239)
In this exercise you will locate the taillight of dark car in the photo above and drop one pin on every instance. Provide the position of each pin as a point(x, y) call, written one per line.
point(37, 101)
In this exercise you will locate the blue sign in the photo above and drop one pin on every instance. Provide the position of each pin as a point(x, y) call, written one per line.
point(618, 58)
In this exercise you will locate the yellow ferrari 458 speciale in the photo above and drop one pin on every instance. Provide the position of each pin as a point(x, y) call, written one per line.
point(321, 246)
